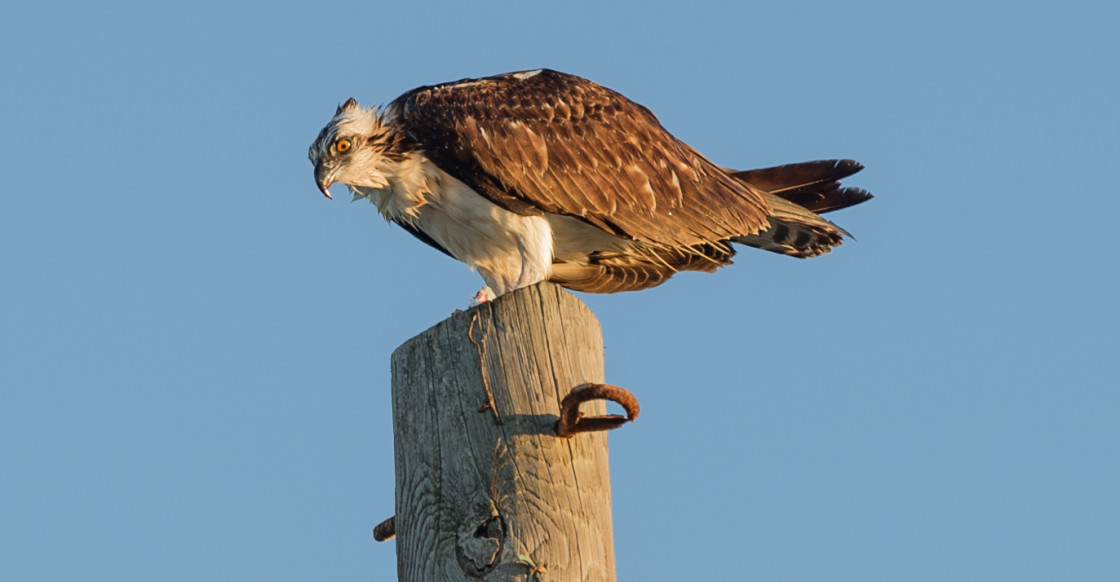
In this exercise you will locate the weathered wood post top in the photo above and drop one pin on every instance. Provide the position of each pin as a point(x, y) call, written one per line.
point(485, 490)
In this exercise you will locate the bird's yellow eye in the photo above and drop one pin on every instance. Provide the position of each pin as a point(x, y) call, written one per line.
point(342, 145)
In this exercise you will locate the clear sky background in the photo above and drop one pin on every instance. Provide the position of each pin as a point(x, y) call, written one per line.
point(194, 344)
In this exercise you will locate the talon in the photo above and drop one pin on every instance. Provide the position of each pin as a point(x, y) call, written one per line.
point(484, 295)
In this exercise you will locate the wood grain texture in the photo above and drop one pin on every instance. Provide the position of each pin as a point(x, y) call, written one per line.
point(486, 494)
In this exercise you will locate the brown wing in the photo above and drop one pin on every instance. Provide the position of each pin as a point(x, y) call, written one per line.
point(549, 142)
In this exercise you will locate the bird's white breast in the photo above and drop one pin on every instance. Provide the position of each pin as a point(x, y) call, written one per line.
point(509, 250)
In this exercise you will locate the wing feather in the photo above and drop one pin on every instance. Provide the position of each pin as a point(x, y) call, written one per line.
point(813, 185)
point(557, 143)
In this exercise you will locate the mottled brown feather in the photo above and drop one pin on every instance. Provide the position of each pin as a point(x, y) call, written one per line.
point(616, 272)
point(617, 175)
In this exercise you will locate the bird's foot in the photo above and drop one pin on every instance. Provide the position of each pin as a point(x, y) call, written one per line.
point(485, 294)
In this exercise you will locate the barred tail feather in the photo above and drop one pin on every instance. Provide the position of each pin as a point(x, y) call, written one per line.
point(795, 231)
point(797, 193)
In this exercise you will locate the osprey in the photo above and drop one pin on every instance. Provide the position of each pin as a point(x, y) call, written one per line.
point(543, 176)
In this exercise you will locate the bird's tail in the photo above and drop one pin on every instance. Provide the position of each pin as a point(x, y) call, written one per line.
point(796, 194)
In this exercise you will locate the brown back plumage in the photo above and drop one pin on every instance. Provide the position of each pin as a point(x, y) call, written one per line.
point(547, 142)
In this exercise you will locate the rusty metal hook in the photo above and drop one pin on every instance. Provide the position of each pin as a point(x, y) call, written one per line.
point(572, 422)
point(386, 530)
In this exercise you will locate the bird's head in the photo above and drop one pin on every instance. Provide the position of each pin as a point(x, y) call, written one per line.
point(354, 148)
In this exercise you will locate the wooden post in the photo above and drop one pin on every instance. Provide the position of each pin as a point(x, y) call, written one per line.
point(485, 488)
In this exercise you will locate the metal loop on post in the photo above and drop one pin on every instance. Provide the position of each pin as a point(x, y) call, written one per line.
point(572, 422)
point(386, 530)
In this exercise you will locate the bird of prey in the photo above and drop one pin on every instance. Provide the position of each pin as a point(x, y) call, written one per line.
point(543, 176)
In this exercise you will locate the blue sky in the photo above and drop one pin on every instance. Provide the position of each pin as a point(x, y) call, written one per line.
point(194, 345)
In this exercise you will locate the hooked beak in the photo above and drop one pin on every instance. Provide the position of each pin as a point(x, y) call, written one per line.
point(323, 179)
